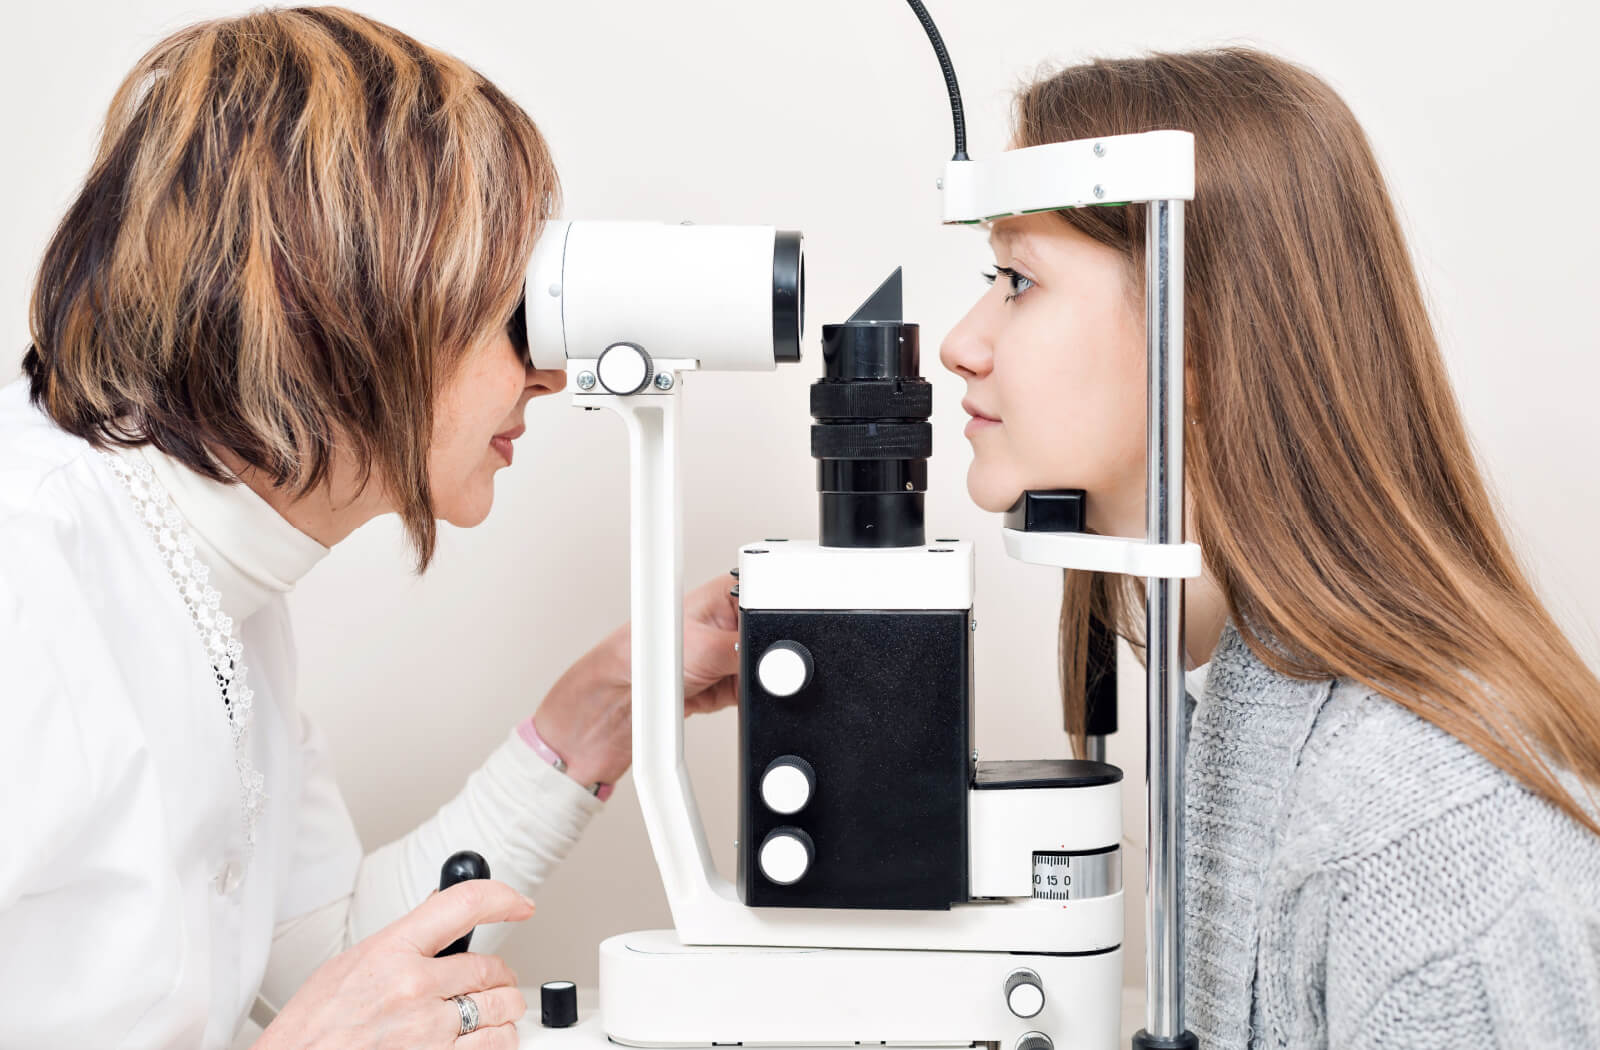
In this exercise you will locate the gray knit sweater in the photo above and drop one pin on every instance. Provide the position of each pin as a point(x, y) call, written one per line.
point(1359, 879)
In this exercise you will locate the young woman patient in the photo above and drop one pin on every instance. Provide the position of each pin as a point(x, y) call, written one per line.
point(1392, 766)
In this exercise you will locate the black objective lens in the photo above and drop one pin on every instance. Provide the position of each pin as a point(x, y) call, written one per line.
point(872, 438)
point(788, 295)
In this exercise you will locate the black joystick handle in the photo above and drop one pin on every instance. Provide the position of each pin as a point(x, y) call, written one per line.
point(459, 868)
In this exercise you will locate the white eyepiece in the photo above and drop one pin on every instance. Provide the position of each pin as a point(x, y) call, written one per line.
point(730, 297)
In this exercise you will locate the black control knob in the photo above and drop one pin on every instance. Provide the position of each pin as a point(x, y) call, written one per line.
point(558, 1004)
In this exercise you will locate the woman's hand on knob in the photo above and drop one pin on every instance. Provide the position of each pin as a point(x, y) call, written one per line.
point(588, 715)
point(711, 647)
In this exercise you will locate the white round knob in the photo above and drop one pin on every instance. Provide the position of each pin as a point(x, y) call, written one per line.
point(1024, 993)
point(785, 855)
point(624, 368)
point(787, 784)
point(784, 669)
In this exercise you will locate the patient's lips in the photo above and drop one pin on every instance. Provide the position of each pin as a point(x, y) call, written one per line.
point(501, 442)
point(981, 420)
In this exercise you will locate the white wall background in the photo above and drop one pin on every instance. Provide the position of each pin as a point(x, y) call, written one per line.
point(829, 116)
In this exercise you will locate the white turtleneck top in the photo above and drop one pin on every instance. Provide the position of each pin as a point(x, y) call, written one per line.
point(253, 552)
point(134, 912)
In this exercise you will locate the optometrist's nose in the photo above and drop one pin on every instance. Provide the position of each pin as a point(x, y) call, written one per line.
point(543, 381)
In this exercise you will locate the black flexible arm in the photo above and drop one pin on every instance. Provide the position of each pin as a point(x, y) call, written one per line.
point(956, 115)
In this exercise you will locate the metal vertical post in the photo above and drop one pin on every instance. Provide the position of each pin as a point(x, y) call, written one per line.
point(1164, 907)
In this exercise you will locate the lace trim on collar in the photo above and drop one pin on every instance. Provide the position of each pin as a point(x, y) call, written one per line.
point(176, 547)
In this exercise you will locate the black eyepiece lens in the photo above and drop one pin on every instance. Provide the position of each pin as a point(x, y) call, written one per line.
point(788, 295)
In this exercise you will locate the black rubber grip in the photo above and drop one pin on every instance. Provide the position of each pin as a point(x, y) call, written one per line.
point(872, 441)
point(873, 399)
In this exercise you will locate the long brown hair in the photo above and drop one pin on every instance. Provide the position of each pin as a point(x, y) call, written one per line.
point(1331, 480)
point(297, 223)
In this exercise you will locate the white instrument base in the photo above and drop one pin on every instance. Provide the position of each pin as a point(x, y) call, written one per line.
point(589, 1034)
point(657, 992)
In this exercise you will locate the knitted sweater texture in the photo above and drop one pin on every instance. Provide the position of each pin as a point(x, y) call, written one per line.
point(1359, 879)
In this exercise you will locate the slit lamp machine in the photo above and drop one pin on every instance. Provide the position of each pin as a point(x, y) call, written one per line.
point(890, 889)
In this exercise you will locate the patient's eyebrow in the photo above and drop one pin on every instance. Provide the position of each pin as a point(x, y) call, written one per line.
point(1008, 236)
point(1002, 232)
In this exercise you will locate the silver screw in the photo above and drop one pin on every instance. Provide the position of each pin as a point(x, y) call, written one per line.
point(974, 626)
point(1099, 149)
point(938, 184)
point(974, 754)
point(1099, 191)
point(664, 381)
point(908, 486)
point(585, 380)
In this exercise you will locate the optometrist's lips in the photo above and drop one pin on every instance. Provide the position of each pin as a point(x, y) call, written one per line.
point(501, 442)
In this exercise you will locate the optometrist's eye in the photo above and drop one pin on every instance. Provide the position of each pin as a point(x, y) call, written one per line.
point(517, 329)
point(1019, 282)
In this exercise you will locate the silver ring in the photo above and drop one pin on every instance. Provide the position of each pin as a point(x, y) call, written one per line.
point(469, 1014)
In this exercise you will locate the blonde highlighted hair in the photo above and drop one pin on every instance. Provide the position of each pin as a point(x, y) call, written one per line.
point(296, 223)
point(1331, 478)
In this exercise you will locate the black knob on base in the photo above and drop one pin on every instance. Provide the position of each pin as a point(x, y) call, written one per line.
point(558, 1004)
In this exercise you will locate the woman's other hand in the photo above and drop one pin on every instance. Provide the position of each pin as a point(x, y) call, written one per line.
point(710, 647)
point(390, 991)
point(587, 716)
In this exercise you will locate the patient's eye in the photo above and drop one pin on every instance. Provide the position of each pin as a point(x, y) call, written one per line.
point(1019, 282)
